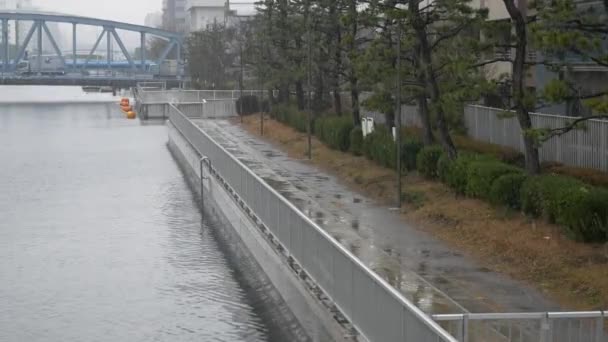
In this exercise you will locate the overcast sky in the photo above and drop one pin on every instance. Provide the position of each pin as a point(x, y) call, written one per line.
point(129, 11)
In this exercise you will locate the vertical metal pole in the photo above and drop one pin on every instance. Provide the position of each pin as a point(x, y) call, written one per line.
point(241, 80)
point(5, 45)
point(465, 328)
point(398, 130)
point(39, 23)
point(309, 111)
point(109, 55)
point(74, 46)
point(178, 59)
point(143, 51)
point(261, 82)
point(16, 39)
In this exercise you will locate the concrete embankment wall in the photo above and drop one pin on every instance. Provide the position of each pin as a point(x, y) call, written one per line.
point(285, 300)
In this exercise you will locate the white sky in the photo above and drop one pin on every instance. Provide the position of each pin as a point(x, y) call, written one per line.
point(128, 11)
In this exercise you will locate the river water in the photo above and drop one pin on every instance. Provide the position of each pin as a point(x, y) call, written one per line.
point(100, 237)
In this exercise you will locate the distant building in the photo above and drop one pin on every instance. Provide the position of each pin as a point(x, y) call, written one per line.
point(154, 19)
point(202, 13)
point(174, 15)
point(588, 77)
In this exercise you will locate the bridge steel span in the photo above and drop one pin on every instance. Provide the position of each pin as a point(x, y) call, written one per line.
point(39, 28)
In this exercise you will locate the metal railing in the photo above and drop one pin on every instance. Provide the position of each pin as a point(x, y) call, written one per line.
point(587, 326)
point(377, 310)
point(580, 147)
point(191, 96)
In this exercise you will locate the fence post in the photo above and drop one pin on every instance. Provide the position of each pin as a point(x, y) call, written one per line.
point(476, 114)
point(599, 327)
point(545, 329)
point(464, 337)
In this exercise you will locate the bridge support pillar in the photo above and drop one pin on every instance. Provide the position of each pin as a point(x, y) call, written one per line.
point(143, 51)
point(5, 46)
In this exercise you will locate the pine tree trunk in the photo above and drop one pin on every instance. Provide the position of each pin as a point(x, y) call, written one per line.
point(519, 72)
point(352, 53)
point(431, 80)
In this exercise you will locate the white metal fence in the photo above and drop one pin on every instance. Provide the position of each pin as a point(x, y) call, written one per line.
point(586, 147)
point(527, 327)
point(191, 96)
point(378, 311)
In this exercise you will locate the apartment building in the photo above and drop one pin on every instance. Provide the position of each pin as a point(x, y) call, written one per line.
point(174, 15)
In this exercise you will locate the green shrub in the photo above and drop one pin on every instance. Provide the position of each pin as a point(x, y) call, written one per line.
point(554, 193)
point(427, 159)
point(290, 116)
point(580, 210)
point(584, 215)
point(318, 128)
point(410, 148)
point(356, 141)
point(380, 147)
point(335, 132)
point(481, 175)
point(455, 173)
point(531, 197)
point(444, 168)
point(506, 190)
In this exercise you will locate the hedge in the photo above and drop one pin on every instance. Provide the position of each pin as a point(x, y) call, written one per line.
point(291, 116)
point(356, 141)
point(481, 175)
point(334, 131)
point(506, 190)
point(444, 168)
point(455, 173)
point(427, 161)
point(580, 210)
point(380, 147)
point(410, 148)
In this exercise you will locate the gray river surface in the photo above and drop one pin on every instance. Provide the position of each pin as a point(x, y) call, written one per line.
point(100, 237)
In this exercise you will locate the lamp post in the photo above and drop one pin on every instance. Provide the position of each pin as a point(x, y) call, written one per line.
point(398, 124)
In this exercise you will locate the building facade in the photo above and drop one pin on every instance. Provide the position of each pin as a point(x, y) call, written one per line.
point(202, 13)
point(174, 15)
point(154, 19)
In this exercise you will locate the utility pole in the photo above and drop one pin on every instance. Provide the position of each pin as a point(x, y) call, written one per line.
point(261, 81)
point(398, 130)
point(309, 111)
point(241, 80)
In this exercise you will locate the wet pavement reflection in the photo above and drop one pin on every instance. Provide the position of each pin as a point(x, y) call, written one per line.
point(428, 272)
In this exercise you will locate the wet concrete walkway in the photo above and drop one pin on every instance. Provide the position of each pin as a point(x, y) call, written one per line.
point(431, 274)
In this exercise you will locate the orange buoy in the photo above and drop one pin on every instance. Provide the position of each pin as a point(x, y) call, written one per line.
point(131, 115)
